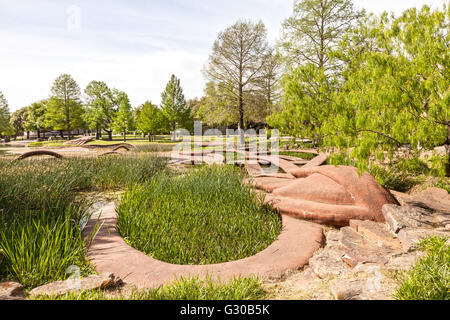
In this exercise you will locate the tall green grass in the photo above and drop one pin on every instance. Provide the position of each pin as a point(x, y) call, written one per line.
point(429, 279)
point(182, 289)
point(205, 216)
point(41, 214)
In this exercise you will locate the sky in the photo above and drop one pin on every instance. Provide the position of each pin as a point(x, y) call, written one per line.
point(132, 45)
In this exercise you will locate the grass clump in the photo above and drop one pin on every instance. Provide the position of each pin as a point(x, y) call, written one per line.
point(429, 279)
point(205, 216)
point(41, 214)
point(182, 289)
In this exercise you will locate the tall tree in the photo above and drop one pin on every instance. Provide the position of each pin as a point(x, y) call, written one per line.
point(18, 121)
point(123, 120)
point(99, 109)
point(308, 41)
point(174, 106)
point(315, 28)
point(151, 120)
point(36, 117)
point(237, 62)
point(397, 89)
point(64, 108)
point(4, 114)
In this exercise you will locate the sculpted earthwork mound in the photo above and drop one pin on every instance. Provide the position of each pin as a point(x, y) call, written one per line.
point(331, 195)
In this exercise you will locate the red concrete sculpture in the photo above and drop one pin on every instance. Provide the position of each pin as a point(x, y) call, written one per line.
point(330, 195)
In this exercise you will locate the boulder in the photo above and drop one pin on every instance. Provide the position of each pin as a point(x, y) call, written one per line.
point(409, 237)
point(400, 217)
point(59, 288)
point(435, 198)
point(360, 250)
point(11, 291)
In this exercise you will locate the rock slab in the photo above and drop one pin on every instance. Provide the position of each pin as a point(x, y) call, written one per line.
point(59, 288)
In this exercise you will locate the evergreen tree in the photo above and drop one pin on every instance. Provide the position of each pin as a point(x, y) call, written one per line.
point(174, 106)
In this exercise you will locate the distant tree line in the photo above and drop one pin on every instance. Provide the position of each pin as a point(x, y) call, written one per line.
point(103, 110)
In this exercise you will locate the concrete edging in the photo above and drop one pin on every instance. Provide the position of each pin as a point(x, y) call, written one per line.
point(108, 252)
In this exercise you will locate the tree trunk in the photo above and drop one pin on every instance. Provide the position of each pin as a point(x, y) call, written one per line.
point(39, 134)
point(109, 135)
point(149, 137)
point(124, 136)
point(61, 132)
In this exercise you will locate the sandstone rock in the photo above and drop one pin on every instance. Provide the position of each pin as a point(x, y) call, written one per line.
point(435, 198)
point(377, 233)
point(409, 237)
point(360, 250)
point(442, 150)
point(317, 161)
point(58, 288)
point(11, 291)
point(402, 262)
point(328, 263)
point(269, 184)
point(332, 195)
point(399, 217)
point(347, 290)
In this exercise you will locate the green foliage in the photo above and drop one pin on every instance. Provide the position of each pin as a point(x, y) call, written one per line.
point(181, 289)
point(41, 215)
point(314, 29)
point(151, 120)
point(429, 279)
point(18, 120)
point(36, 116)
point(123, 120)
point(174, 106)
point(99, 109)
point(168, 218)
point(4, 114)
point(306, 103)
point(64, 108)
point(391, 91)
